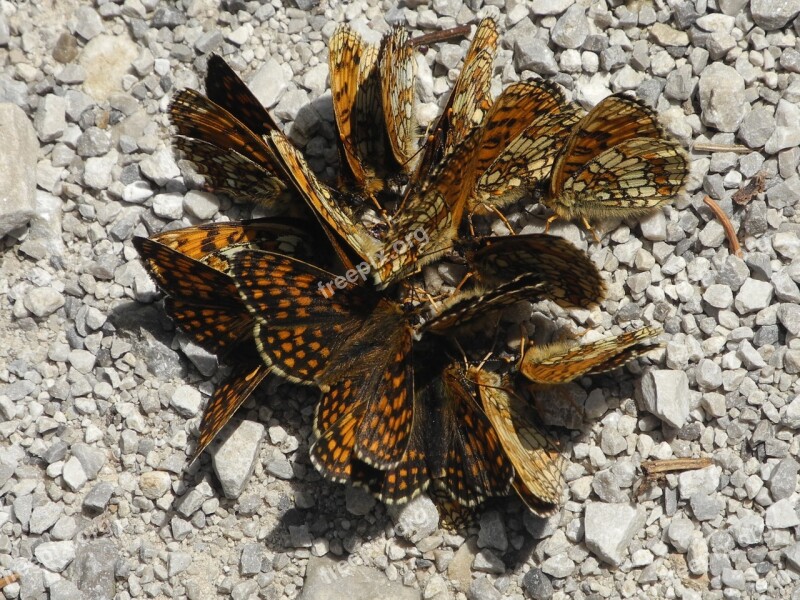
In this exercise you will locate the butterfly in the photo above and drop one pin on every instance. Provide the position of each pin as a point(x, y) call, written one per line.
point(353, 342)
point(521, 134)
point(205, 304)
point(568, 276)
point(537, 460)
point(373, 102)
point(236, 145)
point(563, 362)
point(453, 448)
point(617, 161)
point(222, 135)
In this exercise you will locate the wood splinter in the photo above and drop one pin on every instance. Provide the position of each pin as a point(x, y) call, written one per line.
point(730, 232)
point(657, 470)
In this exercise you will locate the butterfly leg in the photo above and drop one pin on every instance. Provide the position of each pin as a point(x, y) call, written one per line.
point(549, 222)
point(590, 229)
point(502, 217)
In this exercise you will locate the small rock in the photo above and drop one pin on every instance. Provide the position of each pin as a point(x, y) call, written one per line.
point(773, 14)
point(44, 517)
point(416, 520)
point(492, 532)
point(55, 556)
point(697, 556)
point(609, 528)
point(680, 533)
point(358, 501)
point(783, 480)
point(782, 514)
point(571, 28)
point(487, 561)
point(154, 484)
point(98, 497)
point(270, 82)
point(666, 36)
point(754, 295)
point(721, 93)
point(73, 474)
point(178, 562)
point(666, 395)
point(17, 169)
point(533, 54)
point(537, 585)
point(186, 400)
point(235, 459)
point(329, 579)
point(749, 530)
point(43, 301)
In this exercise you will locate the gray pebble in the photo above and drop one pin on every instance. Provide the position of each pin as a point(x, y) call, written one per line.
point(782, 514)
point(757, 126)
point(44, 517)
point(754, 295)
point(235, 459)
point(358, 501)
point(722, 100)
point(718, 296)
point(666, 395)
point(73, 474)
point(783, 480)
point(571, 28)
point(186, 400)
point(609, 528)
point(773, 14)
point(251, 559)
point(559, 566)
point(708, 374)
point(706, 507)
point(680, 533)
point(55, 556)
point(17, 169)
point(154, 484)
point(201, 205)
point(749, 529)
point(98, 497)
point(168, 206)
point(43, 301)
point(178, 562)
point(697, 556)
point(50, 120)
point(698, 481)
point(487, 561)
point(482, 589)
point(416, 520)
point(280, 468)
point(533, 54)
point(492, 532)
point(160, 167)
point(537, 585)
point(351, 581)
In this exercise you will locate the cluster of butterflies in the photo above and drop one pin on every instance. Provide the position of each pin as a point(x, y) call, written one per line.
point(329, 295)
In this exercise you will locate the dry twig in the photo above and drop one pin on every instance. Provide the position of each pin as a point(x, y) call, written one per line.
point(712, 147)
point(730, 233)
point(440, 36)
point(657, 470)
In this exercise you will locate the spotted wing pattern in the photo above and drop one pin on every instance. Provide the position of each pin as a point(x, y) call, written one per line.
point(538, 463)
point(398, 70)
point(233, 159)
point(467, 103)
point(617, 161)
point(427, 224)
point(374, 365)
point(226, 89)
point(355, 88)
point(563, 362)
point(203, 302)
point(464, 454)
point(567, 275)
point(247, 373)
point(523, 131)
point(298, 320)
point(329, 208)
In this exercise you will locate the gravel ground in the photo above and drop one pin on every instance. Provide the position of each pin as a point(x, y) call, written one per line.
point(100, 401)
